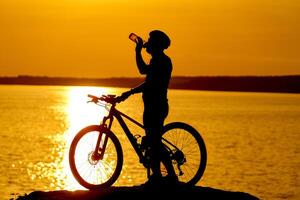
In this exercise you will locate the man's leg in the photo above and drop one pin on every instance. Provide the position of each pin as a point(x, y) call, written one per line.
point(150, 119)
point(166, 160)
point(155, 151)
point(165, 156)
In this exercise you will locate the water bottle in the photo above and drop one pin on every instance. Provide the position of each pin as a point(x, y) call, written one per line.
point(133, 37)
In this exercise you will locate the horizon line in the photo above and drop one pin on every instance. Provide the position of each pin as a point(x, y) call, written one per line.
point(131, 77)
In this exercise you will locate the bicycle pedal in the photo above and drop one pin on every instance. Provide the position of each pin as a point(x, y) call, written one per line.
point(137, 136)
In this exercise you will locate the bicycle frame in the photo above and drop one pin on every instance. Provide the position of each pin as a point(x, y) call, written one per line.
point(114, 113)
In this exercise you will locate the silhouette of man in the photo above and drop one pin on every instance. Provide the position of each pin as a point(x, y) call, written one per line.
point(154, 90)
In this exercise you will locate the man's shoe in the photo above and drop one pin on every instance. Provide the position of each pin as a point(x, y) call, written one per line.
point(153, 181)
point(171, 180)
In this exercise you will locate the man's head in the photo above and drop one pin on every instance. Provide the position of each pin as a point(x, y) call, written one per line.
point(157, 42)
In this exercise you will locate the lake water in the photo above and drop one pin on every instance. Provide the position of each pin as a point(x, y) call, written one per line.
point(252, 139)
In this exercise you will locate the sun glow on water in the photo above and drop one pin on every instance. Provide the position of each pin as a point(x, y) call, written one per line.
point(80, 114)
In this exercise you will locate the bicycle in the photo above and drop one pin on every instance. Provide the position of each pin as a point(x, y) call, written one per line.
point(96, 155)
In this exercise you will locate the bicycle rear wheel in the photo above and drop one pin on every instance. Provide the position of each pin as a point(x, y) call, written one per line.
point(187, 150)
point(91, 172)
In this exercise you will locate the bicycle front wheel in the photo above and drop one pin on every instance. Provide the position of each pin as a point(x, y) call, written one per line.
point(92, 172)
point(187, 150)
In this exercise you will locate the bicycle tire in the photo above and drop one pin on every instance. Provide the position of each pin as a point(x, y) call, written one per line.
point(104, 172)
point(189, 141)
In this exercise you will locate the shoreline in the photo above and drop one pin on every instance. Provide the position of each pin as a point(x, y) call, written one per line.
point(141, 192)
point(276, 84)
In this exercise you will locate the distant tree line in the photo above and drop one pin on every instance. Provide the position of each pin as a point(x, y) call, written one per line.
point(286, 84)
point(290, 84)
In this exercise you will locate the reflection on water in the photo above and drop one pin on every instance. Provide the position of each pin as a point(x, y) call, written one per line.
point(52, 167)
point(252, 139)
point(80, 114)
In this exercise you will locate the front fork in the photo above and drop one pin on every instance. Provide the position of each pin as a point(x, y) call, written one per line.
point(102, 139)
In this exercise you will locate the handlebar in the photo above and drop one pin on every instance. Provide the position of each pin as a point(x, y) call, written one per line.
point(111, 99)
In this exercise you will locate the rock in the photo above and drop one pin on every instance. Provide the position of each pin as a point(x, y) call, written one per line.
point(140, 193)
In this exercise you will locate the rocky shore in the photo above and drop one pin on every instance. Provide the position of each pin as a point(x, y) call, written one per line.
point(140, 193)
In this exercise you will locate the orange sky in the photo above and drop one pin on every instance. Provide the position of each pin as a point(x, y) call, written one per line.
point(89, 38)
